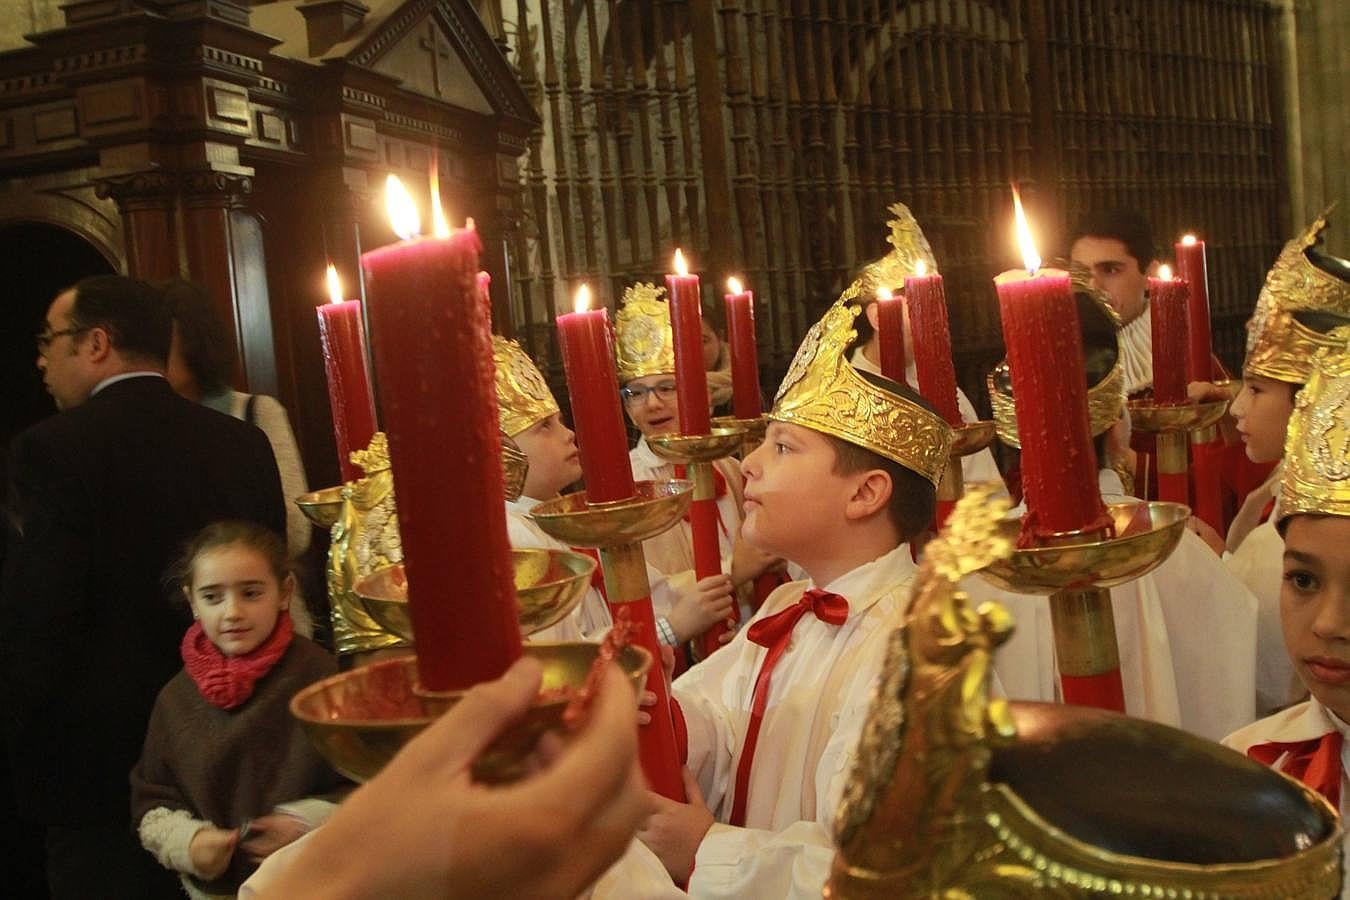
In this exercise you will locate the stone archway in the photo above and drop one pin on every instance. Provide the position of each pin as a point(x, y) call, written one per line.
point(40, 260)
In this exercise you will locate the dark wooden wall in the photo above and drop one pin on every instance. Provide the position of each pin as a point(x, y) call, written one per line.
point(767, 137)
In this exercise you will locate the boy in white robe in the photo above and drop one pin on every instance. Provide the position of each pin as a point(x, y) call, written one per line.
point(1308, 741)
point(773, 719)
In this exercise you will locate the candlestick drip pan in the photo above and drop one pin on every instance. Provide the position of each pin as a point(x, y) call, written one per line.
point(358, 720)
point(723, 440)
point(321, 507)
point(549, 585)
point(754, 428)
point(654, 507)
point(1147, 416)
point(1146, 534)
point(971, 437)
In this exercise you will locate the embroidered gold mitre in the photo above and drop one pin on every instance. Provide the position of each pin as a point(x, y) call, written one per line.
point(642, 331)
point(1106, 398)
point(1316, 476)
point(1279, 345)
point(823, 392)
point(908, 248)
point(523, 397)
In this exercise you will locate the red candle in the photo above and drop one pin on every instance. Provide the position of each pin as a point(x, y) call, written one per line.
point(1045, 354)
point(927, 304)
point(686, 325)
point(433, 352)
point(344, 360)
point(1193, 269)
point(587, 344)
point(745, 397)
point(1167, 300)
point(891, 335)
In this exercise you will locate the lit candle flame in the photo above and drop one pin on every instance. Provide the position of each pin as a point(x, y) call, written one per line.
point(1030, 258)
point(582, 301)
point(884, 293)
point(334, 284)
point(402, 210)
point(680, 267)
point(1165, 272)
point(440, 227)
point(1188, 240)
point(734, 286)
point(921, 268)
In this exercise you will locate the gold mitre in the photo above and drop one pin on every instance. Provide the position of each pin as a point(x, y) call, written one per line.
point(1103, 353)
point(642, 331)
point(823, 392)
point(515, 468)
point(523, 397)
point(909, 248)
point(1316, 476)
point(1281, 341)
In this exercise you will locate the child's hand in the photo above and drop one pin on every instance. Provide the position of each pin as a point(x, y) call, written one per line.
point(701, 607)
point(647, 699)
point(270, 833)
point(674, 830)
point(211, 849)
point(748, 562)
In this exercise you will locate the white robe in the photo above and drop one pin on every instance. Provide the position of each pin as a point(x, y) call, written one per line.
point(1255, 556)
point(818, 700)
point(976, 467)
point(671, 553)
point(1186, 633)
point(1302, 722)
point(590, 620)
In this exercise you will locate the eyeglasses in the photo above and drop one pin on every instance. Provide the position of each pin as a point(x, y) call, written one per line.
point(44, 339)
point(636, 396)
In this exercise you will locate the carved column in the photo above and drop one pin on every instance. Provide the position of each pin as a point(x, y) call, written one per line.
point(146, 201)
point(224, 245)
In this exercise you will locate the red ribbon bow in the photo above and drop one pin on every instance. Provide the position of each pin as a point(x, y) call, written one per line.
point(1316, 762)
point(775, 632)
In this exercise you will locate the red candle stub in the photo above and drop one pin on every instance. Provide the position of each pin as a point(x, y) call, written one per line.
point(686, 326)
point(745, 394)
point(891, 335)
point(1192, 268)
point(927, 303)
point(432, 344)
point(1167, 311)
point(587, 344)
point(342, 338)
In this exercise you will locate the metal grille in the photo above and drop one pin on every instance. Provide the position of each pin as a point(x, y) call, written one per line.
point(767, 137)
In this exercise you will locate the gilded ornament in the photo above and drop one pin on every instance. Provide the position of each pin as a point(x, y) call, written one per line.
point(1316, 475)
point(909, 247)
point(823, 392)
point(515, 466)
point(1281, 341)
point(642, 329)
point(523, 397)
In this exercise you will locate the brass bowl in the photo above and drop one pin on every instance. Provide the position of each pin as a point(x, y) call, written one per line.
point(321, 507)
point(655, 507)
point(971, 437)
point(695, 448)
point(754, 428)
point(549, 585)
point(1145, 416)
point(358, 720)
point(1147, 533)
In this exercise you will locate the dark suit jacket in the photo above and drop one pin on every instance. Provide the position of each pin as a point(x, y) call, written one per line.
point(104, 496)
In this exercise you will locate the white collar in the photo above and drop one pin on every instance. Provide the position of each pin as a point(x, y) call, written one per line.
point(863, 586)
point(860, 362)
point(1109, 483)
point(522, 505)
point(124, 376)
point(1136, 339)
point(643, 455)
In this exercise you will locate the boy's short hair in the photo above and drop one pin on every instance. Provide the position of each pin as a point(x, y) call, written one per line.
point(913, 497)
point(1125, 225)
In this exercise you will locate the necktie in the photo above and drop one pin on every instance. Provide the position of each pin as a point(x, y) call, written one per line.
point(1315, 762)
point(774, 632)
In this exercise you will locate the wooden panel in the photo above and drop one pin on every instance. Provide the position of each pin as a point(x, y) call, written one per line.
point(54, 123)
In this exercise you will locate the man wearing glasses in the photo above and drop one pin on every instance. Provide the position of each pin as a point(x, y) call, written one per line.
point(102, 496)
